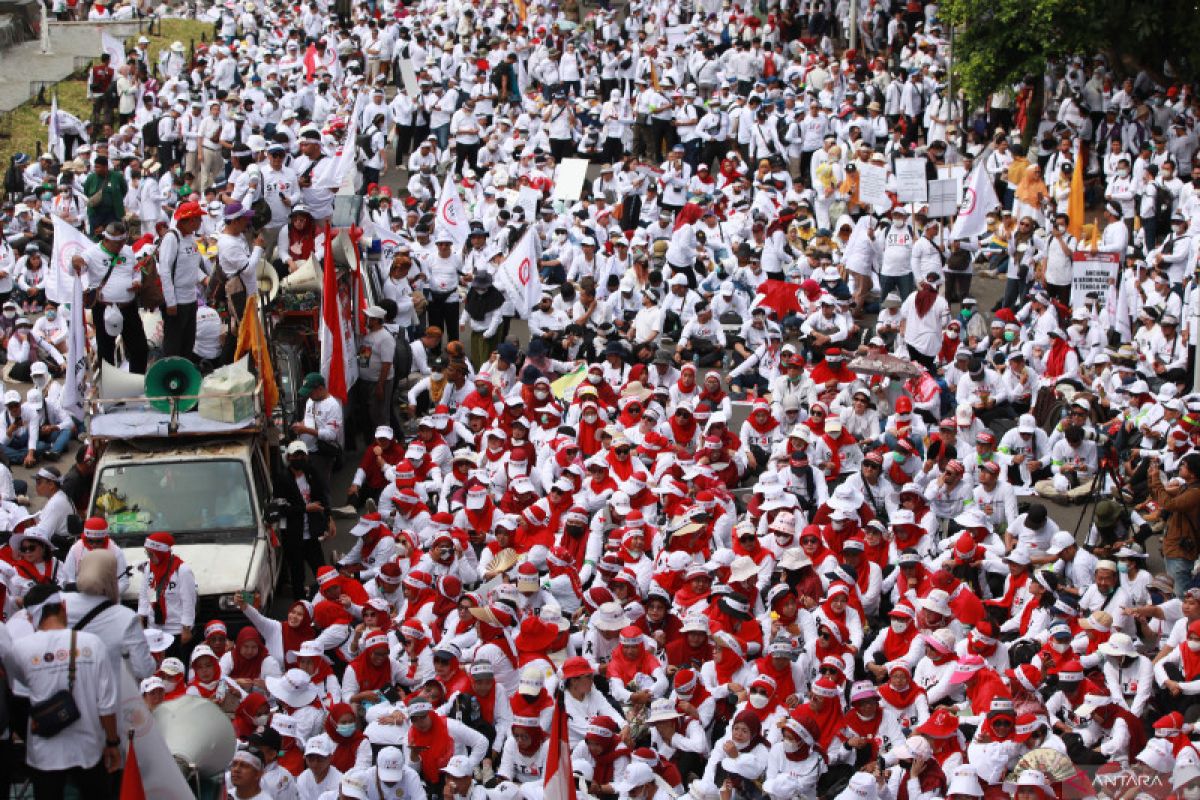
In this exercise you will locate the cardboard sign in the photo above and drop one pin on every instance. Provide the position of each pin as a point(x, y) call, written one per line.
point(569, 179)
point(872, 185)
point(1092, 273)
point(943, 198)
point(910, 180)
point(409, 76)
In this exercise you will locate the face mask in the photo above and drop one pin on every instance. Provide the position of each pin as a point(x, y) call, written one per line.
point(347, 729)
point(590, 418)
point(899, 626)
point(790, 747)
point(593, 379)
point(1194, 646)
point(10, 314)
point(1009, 336)
point(899, 458)
point(1060, 647)
point(964, 313)
point(51, 314)
point(952, 335)
point(541, 394)
point(436, 377)
point(1190, 793)
point(758, 700)
point(1122, 568)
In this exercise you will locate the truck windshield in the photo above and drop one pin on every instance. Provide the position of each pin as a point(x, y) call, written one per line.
point(174, 496)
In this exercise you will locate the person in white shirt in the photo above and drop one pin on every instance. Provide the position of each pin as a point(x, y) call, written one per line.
point(923, 317)
point(86, 751)
point(109, 270)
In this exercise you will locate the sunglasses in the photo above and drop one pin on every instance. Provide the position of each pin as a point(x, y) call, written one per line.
point(29, 547)
point(809, 540)
point(623, 451)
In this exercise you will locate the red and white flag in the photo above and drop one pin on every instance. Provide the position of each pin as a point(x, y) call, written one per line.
point(131, 779)
point(559, 783)
point(979, 197)
point(518, 276)
point(451, 213)
point(338, 366)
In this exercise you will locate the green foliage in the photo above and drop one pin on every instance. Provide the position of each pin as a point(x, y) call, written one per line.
point(1001, 41)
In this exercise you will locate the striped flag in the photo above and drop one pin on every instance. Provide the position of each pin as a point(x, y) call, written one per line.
point(559, 783)
point(334, 352)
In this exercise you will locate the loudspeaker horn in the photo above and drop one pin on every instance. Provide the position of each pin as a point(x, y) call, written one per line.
point(119, 384)
point(268, 281)
point(170, 378)
point(305, 278)
point(197, 733)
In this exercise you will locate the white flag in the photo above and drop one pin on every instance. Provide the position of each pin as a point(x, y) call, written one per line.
point(75, 388)
point(451, 213)
point(54, 135)
point(979, 197)
point(518, 276)
point(115, 49)
point(345, 161)
point(68, 243)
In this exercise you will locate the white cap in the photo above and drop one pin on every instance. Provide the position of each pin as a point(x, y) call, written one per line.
point(458, 767)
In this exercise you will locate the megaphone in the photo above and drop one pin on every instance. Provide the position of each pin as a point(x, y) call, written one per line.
point(172, 378)
point(119, 384)
point(303, 279)
point(268, 281)
point(197, 733)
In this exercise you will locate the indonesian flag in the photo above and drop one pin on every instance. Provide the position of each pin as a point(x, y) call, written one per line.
point(334, 352)
point(559, 783)
point(451, 213)
point(131, 779)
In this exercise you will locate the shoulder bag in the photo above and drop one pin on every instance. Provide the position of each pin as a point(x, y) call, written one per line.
point(58, 712)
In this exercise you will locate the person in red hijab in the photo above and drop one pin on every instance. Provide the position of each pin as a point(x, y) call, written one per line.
point(824, 708)
point(252, 713)
point(371, 672)
point(351, 748)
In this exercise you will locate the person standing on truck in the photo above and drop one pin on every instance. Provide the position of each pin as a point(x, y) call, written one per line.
point(306, 521)
point(167, 598)
point(322, 428)
point(180, 268)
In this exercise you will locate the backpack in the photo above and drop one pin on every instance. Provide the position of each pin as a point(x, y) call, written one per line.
point(1163, 200)
point(364, 143)
point(150, 133)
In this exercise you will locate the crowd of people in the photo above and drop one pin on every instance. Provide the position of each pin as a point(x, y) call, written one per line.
point(667, 500)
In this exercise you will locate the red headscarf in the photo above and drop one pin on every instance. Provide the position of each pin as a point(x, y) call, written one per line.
point(248, 668)
point(345, 753)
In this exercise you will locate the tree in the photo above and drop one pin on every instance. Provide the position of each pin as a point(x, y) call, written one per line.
point(1000, 42)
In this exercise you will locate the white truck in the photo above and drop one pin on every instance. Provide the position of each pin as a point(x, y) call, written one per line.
point(207, 483)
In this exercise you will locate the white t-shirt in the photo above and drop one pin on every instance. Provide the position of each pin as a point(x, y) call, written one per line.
point(39, 665)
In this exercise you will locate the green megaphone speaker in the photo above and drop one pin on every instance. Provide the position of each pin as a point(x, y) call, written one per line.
point(171, 378)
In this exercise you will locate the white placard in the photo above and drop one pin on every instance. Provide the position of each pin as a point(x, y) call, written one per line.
point(872, 185)
point(910, 180)
point(943, 198)
point(1092, 273)
point(409, 76)
point(528, 198)
point(569, 178)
